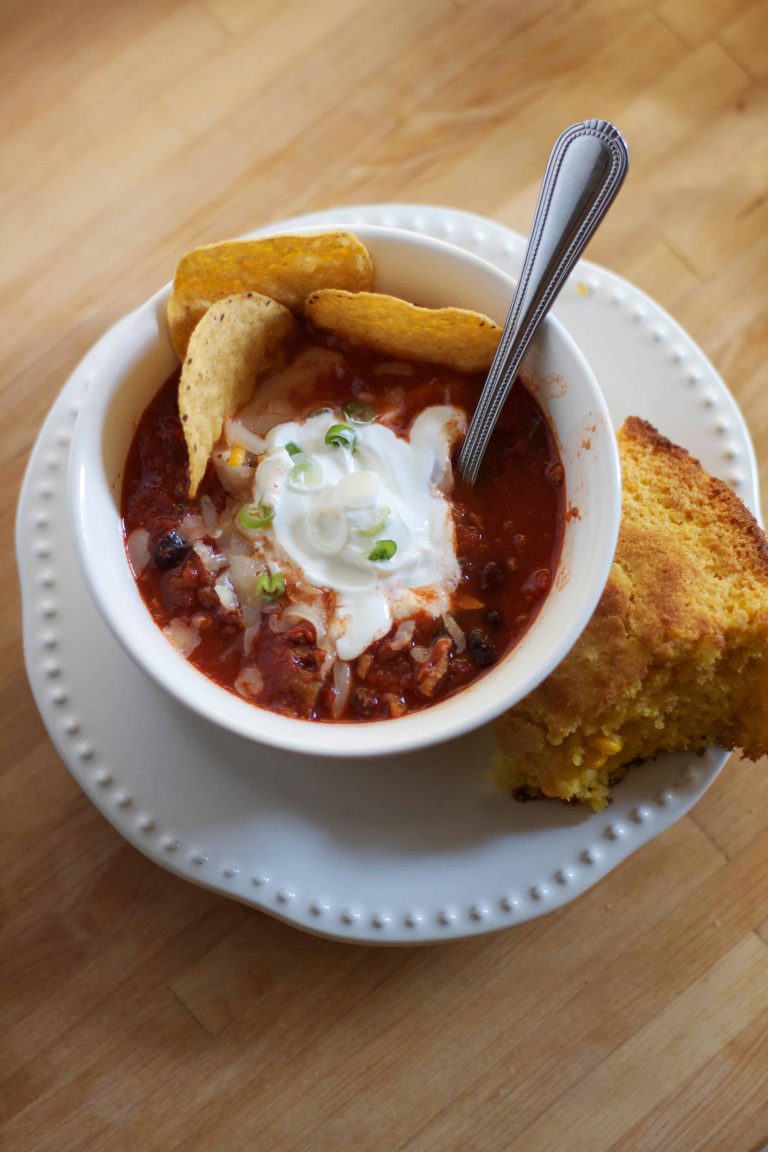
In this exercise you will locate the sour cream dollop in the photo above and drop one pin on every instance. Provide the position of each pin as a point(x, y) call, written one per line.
point(340, 508)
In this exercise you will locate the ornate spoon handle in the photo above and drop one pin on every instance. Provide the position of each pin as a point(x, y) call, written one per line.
point(585, 172)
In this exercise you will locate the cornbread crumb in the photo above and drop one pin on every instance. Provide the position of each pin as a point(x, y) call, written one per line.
point(675, 656)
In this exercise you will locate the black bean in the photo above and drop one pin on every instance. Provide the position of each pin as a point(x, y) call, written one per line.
point(481, 647)
point(493, 617)
point(169, 551)
point(491, 575)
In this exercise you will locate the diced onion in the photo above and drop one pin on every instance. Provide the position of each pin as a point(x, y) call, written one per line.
point(296, 612)
point(234, 544)
point(250, 683)
point(342, 679)
point(210, 516)
point(249, 635)
point(420, 654)
point(307, 612)
point(455, 633)
point(236, 432)
point(137, 547)
point(403, 636)
point(192, 528)
point(252, 612)
point(235, 647)
point(184, 635)
point(226, 593)
point(243, 571)
point(238, 478)
point(210, 560)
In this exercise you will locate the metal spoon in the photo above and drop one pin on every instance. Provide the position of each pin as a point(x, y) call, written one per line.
point(585, 172)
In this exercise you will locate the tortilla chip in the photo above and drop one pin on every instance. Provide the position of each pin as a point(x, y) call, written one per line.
point(238, 339)
point(465, 341)
point(286, 268)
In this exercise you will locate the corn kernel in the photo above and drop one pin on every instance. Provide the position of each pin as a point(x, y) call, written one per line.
point(593, 760)
point(466, 602)
point(236, 456)
point(609, 745)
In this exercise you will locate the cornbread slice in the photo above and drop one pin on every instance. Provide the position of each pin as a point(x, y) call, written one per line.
point(675, 656)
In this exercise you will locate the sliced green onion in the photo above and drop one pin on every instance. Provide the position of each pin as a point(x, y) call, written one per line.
point(292, 449)
point(253, 516)
point(341, 436)
point(320, 412)
point(359, 413)
point(269, 588)
point(383, 550)
point(306, 473)
point(327, 528)
point(379, 526)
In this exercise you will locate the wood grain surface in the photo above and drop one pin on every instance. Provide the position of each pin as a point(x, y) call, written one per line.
point(140, 1012)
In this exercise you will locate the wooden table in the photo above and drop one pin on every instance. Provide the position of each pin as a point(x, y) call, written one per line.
point(140, 1012)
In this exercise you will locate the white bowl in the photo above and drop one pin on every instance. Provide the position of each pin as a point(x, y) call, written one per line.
point(137, 357)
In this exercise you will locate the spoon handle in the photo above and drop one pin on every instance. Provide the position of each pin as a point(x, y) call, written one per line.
point(585, 172)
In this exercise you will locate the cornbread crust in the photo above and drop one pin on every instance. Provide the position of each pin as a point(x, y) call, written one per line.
point(675, 656)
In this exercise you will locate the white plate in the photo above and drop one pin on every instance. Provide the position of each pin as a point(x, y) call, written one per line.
point(410, 849)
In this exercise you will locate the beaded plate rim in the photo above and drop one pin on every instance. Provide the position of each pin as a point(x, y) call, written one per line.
point(608, 838)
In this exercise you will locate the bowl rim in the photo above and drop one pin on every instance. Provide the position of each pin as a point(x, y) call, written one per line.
point(468, 709)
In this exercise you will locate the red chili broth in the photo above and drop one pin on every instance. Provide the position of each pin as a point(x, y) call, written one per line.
point(509, 530)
